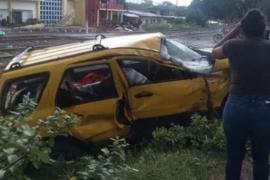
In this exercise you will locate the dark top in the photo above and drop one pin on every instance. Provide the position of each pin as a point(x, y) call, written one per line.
point(250, 66)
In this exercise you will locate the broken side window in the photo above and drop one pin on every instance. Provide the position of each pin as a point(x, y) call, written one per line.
point(86, 84)
point(186, 57)
point(31, 86)
point(140, 72)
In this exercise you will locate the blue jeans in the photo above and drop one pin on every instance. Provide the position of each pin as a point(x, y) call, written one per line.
point(247, 117)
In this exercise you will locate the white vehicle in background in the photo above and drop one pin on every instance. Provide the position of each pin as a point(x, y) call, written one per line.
point(2, 33)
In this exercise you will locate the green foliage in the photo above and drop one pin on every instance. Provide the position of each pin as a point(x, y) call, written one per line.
point(162, 26)
point(196, 16)
point(107, 165)
point(22, 144)
point(59, 123)
point(229, 9)
point(201, 134)
point(148, 3)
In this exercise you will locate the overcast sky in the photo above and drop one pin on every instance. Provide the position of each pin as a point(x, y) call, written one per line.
point(180, 2)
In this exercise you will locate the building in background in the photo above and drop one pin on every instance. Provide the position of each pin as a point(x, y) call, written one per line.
point(18, 11)
point(63, 12)
point(98, 13)
point(79, 11)
point(132, 16)
point(74, 12)
point(105, 12)
point(51, 11)
point(145, 17)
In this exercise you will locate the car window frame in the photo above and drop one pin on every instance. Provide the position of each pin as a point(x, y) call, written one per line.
point(10, 81)
point(73, 66)
point(119, 59)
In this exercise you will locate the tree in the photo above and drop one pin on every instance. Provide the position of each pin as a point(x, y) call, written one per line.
point(148, 2)
point(181, 11)
point(266, 8)
point(168, 4)
point(196, 16)
point(228, 9)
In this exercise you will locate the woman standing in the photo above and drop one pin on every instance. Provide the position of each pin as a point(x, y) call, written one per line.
point(247, 110)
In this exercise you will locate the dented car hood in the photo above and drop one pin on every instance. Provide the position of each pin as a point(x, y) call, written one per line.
point(170, 50)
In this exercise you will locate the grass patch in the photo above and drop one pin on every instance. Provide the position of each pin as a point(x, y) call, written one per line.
point(174, 165)
point(152, 164)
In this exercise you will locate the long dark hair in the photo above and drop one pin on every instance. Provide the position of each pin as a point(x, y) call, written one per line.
point(253, 23)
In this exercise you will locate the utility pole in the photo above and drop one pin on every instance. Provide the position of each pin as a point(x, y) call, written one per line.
point(86, 17)
point(9, 11)
point(107, 16)
point(97, 4)
point(125, 10)
point(176, 8)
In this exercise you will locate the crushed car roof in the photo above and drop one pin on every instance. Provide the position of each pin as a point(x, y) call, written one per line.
point(150, 41)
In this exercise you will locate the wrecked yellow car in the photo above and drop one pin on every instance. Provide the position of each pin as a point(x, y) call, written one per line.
point(114, 83)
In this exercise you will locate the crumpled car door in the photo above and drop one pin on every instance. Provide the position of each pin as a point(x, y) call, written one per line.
point(167, 91)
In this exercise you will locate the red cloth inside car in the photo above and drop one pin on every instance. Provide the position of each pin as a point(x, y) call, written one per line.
point(88, 79)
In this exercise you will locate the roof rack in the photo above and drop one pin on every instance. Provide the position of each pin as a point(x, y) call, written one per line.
point(16, 61)
point(98, 46)
point(99, 37)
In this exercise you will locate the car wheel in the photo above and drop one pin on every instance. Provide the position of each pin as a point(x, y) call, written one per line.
point(141, 130)
point(67, 149)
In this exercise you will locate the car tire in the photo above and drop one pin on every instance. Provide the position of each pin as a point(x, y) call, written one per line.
point(141, 130)
point(67, 149)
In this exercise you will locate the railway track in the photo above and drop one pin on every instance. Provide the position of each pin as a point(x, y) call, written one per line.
point(18, 39)
point(188, 34)
point(10, 46)
point(15, 43)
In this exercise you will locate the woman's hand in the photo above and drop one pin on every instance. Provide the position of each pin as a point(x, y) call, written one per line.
point(217, 51)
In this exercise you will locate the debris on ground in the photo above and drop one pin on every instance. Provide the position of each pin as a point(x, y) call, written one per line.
point(31, 27)
point(122, 29)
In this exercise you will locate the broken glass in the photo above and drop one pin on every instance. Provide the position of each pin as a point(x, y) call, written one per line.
point(185, 57)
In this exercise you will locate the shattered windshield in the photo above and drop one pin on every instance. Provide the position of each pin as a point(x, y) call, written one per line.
point(179, 51)
point(185, 57)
